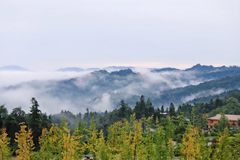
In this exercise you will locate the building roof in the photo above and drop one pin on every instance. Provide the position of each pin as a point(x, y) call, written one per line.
point(229, 116)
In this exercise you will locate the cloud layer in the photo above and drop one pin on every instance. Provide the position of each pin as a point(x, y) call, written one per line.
point(98, 91)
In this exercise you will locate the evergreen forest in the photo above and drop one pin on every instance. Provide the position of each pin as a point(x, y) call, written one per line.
point(142, 132)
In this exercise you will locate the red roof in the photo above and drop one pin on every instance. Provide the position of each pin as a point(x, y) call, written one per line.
point(229, 116)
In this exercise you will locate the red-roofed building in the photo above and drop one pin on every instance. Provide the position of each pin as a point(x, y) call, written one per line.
point(233, 119)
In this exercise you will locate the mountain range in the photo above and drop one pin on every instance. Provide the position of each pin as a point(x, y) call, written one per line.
point(103, 90)
point(13, 68)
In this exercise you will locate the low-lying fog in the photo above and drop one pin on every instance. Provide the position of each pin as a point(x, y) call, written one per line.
point(76, 91)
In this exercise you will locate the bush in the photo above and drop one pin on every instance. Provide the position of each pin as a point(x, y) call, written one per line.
point(206, 134)
point(214, 134)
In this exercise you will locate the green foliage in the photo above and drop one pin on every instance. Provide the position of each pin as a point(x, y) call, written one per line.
point(3, 116)
point(91, 138)
point(169, 128)
point(123, 135)
point(223, 122)
point(35, 121)
point(160, 144)
point(223, 150)
point(172, 111)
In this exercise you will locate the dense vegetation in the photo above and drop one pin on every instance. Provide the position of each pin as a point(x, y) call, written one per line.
point(141, 132)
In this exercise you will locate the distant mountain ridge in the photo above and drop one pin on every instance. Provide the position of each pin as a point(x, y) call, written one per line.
point(13, 68)
point(100, 88)
point(197, 68)
point(207, 99)
point(70, 69)
point(214, 87)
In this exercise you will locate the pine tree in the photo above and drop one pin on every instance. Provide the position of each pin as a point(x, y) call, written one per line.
point(52, 143)
point(194, 146)
point(223, 149)
point(170, 148)
point(35, 122)
point(68, 147)
point(169, 128)
point(193, 117)
point(3, 116)
point(78, 143)
point(92, 138)
point(137, 139)
point(148, 140)
point(46, 151)
point(236, 146)
point(125, 139)
point(190, 146)
point(161, 145)
point(205, 151)
point(140, 108)
point(172, 111)
point(162, 109)
point(55, 143)
point(25, 143)
point(103, 152)
point(5, 151)
point(113, 138)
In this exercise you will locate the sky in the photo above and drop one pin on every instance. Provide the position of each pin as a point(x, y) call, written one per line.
point(46, 35)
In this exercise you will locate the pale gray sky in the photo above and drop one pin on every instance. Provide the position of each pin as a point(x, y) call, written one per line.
point(50, 34)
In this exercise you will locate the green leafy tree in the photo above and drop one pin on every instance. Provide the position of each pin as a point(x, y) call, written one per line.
point(223, 122)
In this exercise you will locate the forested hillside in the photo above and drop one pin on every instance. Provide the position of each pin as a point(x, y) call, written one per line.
point(141, 132)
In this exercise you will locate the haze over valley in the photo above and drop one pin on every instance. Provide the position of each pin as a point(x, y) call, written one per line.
point(97, 89)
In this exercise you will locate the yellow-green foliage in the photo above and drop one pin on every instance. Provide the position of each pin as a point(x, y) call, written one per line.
point(137, 139)
point(103, 152)
point(92, 139)
point(68, 148)
point(25, 143)
point(5, 152)
point(78, 144)
point(125, 141)
point(125, 152)
point(223, 150)
point(190, 146)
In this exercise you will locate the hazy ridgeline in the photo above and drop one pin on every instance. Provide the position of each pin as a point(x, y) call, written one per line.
point(103, 90)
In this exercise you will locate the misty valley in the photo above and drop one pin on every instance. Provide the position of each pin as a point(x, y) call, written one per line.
point(120, 113)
